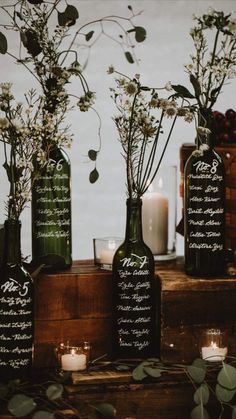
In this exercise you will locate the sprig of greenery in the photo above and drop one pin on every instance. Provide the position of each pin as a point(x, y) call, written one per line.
point(50, 53)
point(213, 62)
point(207, 379)
point(48, 400)
point(141, 116)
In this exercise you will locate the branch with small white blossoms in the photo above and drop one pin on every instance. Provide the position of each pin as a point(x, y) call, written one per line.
point(142, 113)
point(50, 53)
point(19, 133)
point(212, 65)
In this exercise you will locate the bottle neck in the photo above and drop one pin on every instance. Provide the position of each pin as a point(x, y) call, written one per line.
point(205, 120)
point(12, 249)
point(134, 220)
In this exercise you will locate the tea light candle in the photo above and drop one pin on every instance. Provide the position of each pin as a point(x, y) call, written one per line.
point(213, 353)
point(155, 220)
point(73, 361)
point(106, 255)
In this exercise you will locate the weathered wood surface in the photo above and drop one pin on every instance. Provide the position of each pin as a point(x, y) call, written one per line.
point(76, 305)
point(169, 397)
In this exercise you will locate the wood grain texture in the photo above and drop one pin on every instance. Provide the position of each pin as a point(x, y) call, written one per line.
point(75, 305)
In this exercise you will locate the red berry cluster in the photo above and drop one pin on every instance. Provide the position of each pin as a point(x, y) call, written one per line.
point(224, 127)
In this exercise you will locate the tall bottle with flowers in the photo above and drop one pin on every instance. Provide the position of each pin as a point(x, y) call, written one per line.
point(50, 53)
point(136, 300)
point(212, 65)
point(16, 285)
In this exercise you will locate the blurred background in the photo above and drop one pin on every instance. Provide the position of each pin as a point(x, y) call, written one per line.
point(99, 209)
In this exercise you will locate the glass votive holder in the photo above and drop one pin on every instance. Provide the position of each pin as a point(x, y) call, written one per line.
point(159, 214)
point(104, 250)
point(212, 345)
point(72, 357)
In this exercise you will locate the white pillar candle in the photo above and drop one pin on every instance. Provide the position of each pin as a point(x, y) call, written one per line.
point(213, 353)
point(155, 221)
point(73, 361)
point(107, 254)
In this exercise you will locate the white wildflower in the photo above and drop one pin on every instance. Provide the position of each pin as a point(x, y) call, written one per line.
point(168, 86)
point(203, 131)
point(188, 117)
point(4, 123)
point(204, 147)
point(131, 88)
point(232, 26)
point(6, 88)
point(111, 69)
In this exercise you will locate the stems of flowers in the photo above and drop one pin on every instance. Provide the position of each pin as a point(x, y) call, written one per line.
point(142, 113)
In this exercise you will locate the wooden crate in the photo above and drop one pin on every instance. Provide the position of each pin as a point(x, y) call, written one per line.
point(76, 305)
point(228, 154)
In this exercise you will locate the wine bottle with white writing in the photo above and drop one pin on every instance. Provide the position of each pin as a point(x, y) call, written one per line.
point(51, 213)
point(204, 210)
point(16, 309)
point(135, 293)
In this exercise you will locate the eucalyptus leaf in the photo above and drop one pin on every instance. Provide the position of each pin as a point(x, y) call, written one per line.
point(224, 394)
point(233, 412)
point(196, 373)
point(30, 41)
point(140, 33)
point(92, 155)
point(35, 1)
point(153, 372)
point(94, 175)
point(68, 17)
point(199, 412)
point(21, 405)
point(200, 363)
point(182, 91)
point(89, 35)
point(202, 394)
point(3, 43)
point(129, 57)
point(139, 373)
point(227, 376)
point(122, 367)
point(54, 391)
point(43, 414)
point(105, 410)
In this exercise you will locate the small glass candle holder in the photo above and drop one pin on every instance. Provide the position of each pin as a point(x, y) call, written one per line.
point(104, 250)
point(72, 357)
point(159, 214)
point(212, 345)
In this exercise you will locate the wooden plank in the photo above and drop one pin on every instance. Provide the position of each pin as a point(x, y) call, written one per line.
point(82, 292)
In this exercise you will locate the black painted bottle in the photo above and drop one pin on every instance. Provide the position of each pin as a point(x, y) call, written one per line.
point(135, 333)
point(51, 213)
point(204, 209)
point(16, 309)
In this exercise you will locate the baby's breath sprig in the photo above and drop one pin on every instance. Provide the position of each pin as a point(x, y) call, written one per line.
point(20, 131)
point(140, 120)
point(213, 62)
point(50, 42)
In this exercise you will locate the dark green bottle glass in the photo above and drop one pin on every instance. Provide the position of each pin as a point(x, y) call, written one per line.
point(51, 213)
point(204, 209)
point(135, 332)
point(16, 309)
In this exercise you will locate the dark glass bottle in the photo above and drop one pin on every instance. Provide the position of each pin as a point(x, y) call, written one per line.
point(16, 309)
point(204, 209)
point(134, 292)
point(51, 213)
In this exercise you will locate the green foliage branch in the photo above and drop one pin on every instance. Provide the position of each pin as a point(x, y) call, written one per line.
point(49, 52)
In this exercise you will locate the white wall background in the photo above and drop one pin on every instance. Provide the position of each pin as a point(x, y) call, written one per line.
point(99, 209)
